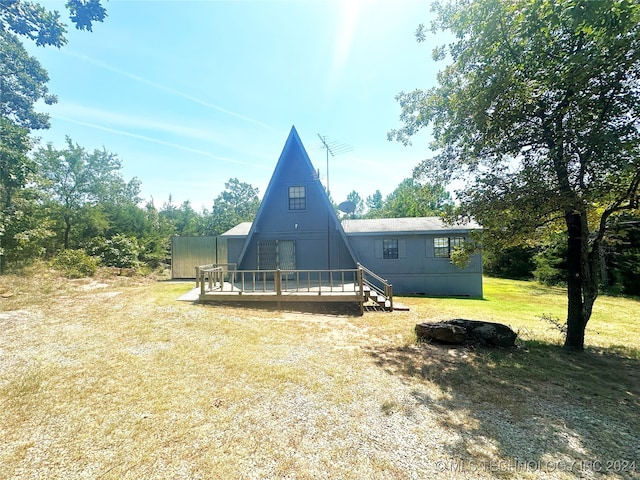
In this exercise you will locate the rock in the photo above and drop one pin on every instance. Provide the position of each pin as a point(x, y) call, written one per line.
point(442, 332)
point(459, 331)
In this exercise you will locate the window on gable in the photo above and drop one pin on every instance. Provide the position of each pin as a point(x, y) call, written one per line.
point(297, 198)
point(390, 248)
point(443, 246)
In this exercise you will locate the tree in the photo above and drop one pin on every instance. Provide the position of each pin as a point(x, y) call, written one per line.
point(184, 219)
point(414, 199)
point(44, 27)
point(22, 84)
point(374, 204)
point(76, 181)
point(539, 112)
point(238, 203)
point(15, 167)
point(359, 205)
point(23, 81)
point(22, 78)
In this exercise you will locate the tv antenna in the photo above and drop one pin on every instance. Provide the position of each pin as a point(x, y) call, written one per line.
point(334, 148)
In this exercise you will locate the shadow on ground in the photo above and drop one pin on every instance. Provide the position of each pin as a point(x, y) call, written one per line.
point(530, 405)
point(349, 309)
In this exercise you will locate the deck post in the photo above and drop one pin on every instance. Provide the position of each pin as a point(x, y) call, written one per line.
point(278, 282)
point(201, 277)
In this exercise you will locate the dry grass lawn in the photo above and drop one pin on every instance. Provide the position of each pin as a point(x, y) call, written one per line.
point(113, 378)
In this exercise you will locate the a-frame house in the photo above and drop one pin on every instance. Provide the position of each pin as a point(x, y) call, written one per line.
point(296, 227)
point(298, 248)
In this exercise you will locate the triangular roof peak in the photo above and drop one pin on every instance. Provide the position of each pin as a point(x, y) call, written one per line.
point(290, 155)
point(294, 168)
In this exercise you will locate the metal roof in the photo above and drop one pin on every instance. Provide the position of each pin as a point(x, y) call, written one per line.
point(404, 225)
point(240, 230)
point(381, 225)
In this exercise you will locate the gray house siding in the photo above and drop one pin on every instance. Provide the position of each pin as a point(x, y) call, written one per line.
point(416, 270)
point(310, 223)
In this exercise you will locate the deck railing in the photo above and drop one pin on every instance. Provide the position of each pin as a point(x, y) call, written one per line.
point(211, 268)
point(212, 277)
point(220, 278)
point(377, 283)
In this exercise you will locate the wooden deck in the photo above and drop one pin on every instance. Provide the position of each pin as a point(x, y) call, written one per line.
point(217, 284)
point(323, 293)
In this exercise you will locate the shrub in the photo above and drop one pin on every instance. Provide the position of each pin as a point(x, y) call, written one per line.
point(75, 264)
point(119, 251)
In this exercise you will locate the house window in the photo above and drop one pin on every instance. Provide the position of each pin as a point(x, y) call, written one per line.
point(390, 248)
point(443, 246)
point(297, 198)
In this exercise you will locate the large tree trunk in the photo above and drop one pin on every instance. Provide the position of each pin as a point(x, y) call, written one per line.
point(582, 280)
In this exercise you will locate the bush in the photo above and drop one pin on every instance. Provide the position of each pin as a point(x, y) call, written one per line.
point(119, 251)
point(75, 264)
point(551, 262)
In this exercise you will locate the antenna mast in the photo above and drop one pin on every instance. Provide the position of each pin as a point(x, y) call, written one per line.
point(334, 148)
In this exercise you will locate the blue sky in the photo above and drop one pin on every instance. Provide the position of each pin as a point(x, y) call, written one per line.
point(191, 93)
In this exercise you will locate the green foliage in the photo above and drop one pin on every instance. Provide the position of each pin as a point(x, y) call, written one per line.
point(374, 203)
point(514, 262)
point(551, 262)
point(45, 27)
point(75, 264)
point(622, 257)
point(461, 255)
point(120, 251)
point(411, 198)
point(238, 203)
point(537, 115)
point(75, 181)
point(23, 82)
point(184, 220)
point(16, 168)
point(26, 231)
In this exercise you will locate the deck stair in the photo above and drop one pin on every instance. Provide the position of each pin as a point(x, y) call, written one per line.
point(374, 299)
point(377, 291)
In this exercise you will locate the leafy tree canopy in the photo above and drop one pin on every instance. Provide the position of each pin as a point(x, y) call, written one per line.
point(374, 202)
point(411, 198)
point(44, 27)
point(538, 112)
point(238, 203)
point(75, 179)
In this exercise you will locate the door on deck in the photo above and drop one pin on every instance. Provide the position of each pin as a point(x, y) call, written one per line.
point(276, 254)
